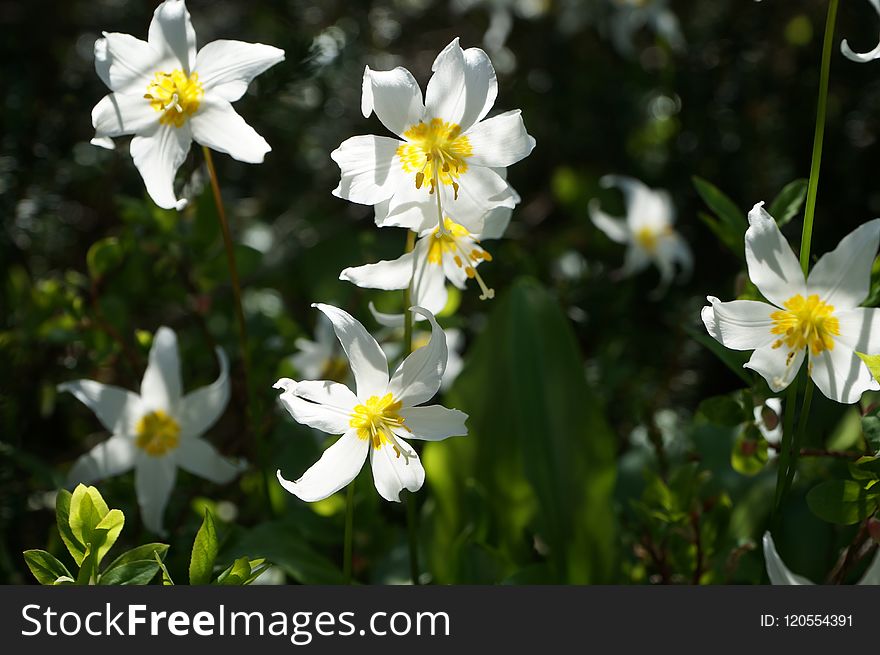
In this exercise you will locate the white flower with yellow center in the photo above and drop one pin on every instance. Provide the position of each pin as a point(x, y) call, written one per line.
point(156, 431)
point(647, 230)
point(862, 57)
point(446, 155)
point(819, 314)
point(377, 418)
point(780, 574)
point(167, 96)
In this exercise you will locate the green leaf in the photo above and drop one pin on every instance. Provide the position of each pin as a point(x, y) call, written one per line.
point(130, 573)
point(87, 509)
point(237, 573)
point(750, 453)
point(139, 554)
point(842, 501)
point(103, 256)
point(724, 207)
point(45, 567)
point(871, 430)
point(62, 517)
point(866, 468)
point(166, 577)
point(88, 570)
point(789, 201)
point(111, 525)
point(204, 553)
point(873, 364)
point(723, 410)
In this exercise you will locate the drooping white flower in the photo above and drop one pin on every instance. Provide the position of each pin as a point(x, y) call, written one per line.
point(780, 574)
point(167, 95)
point(630, 16)
point(393, 348)
point(647, 229)
point(156, 431)
point(820, 313)
point(862, 57)
point(321, 358)
point(376, 418)
point(446, 152)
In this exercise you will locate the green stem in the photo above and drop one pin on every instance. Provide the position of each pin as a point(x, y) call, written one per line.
point(349, 532)
point(411, 517)
point(413, 530)
point(785, 452)
point(407, 301)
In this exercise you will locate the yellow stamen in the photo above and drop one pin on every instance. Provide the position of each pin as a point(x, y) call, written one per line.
point(435, 151)
point(157, 433)
point(805, 323)
point(376, 419)
point(453, 239)
point(175, 96)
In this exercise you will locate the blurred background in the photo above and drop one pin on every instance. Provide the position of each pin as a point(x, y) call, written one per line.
point(593, 456)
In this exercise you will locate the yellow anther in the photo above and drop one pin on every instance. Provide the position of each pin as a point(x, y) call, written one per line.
point(376, 419)
point(157, 433)
point(175, 96)
point(439, 145)
point(805, 323)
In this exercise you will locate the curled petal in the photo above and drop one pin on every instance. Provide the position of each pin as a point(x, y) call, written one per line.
point(778, 366)
point(338, 466)
point(323, 405)
point(395, 96)
point(419, 376)
point(777, 571)
point(200, 409)
point(396, 469)
point(157, 155)
point(370, 169)
point(739, 324)
point(862, 57)
point(388, 274)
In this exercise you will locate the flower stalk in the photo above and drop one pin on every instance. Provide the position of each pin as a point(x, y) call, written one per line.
point(412, 528)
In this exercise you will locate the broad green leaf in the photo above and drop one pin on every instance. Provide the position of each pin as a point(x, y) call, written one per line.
point(842, 501)
point(789, 201)
point(45, 567)
point(87, 508)
point(873, 364)
point(866, 468)
point(727, 210)
point(139, 554)
point(723, 410)
point(237, 573)
point(62, 517)
point(103, 256)
point(871, 430)
point(138, 572)
point(112, 525)
point(204, 553)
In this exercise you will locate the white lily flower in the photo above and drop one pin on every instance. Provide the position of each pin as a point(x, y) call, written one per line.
point(820, 313)
point(156, 431)
point(445, 154)
point(451, 254)
point(780, 574)
point(420, 339)
point(167, 96)
point(862, 57)
point(647, 230)
point(375, 418)
point(321, 358)
point(630, 16)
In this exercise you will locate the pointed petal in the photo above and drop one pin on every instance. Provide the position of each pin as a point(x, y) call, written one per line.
point(500, 141)
point(126, 64)
point(118, 114)
point(323, 405)
point(392, 472)
point(338, 466)
point(645, 207)
point(200, 409)
point(154, 479)
point(387, 274)
point(161, 387)
point(774, 365)
point(863, 57)
point(395, 96)
point(636, 259)
point(481, 190)
point(172, 34)
point(777, 571)
point(367, 361)
point(157, 155)
point(386, 320)
point(614, 228)
point(109, 458)
point(496, 221)
point(860, 329)
point(117, 409)
point(463, 87)
point(739, 324)
point(217, 125)
point(842, 277)
point(226, 68)
point(841, 375)
point(200, 458)
point(418, 377)
point(772, 265)
point(434, 422)
point(371, 170)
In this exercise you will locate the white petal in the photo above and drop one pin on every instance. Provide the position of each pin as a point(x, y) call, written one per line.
point(200, 409)
point(429, 282)
point(774, 366)
point(860, 329)
point(117, 409)
point(217, 125)
point(842, 277)
point(841, 375)
point(226, 68)
point(386, 320)
point(434, 422)
point(614, 228)
point(387, 274)
point(157, 156)
point(118, 114)
point(849, 53)
point(675, 250)
point(463, 87)
point(321, 404)
point(126, 64)
point(777, 571)
point(418, 378)
point(481, 190)
point(108, 458)
point(872, 573)
point(772, 265)
point(338, 466)
point(739, 324)
point(496, 221)
point(395, 96)
point(500, 141)
point(636, 259)
point(200, 458)
point(392, 472)
point(365, 357)
point(161, 387)
point(103, 142)
point(371, 170)
point(154, 481)
point(172, 34)
point(645, 207)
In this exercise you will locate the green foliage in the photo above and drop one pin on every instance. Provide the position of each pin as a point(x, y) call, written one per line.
point(842, 501)
point(204, 553)
point(729, 223)
point(789, 202)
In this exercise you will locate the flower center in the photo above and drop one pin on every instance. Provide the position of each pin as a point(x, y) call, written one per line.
point(435, 151)
point(647, 238)
point(157, 433)
point(175, 96)
point(807, 322)
point(375, 419)
point(465, 250)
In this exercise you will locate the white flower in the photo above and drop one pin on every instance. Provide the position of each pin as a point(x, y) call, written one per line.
point(167, 95)
point(779, 573)
point(445, 153)
point(420, 338)
point(321, 358)
point(630, 16)
point(374, 419)
point(647, 229)
point(821, 313)
point(862, 57)
point(451, 254)
point(156, 431)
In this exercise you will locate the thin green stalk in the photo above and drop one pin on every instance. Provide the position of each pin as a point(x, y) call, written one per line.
point(785, 452)
point(407, 301)
point(349, 531)
point(413, 531)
